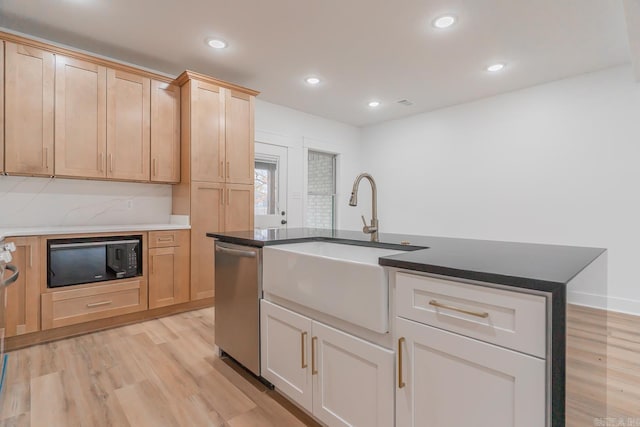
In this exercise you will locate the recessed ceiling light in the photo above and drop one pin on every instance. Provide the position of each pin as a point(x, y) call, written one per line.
point(495, 67)
point(217, 43)
point(374, 104)
point(312, 80)
point(444, 21)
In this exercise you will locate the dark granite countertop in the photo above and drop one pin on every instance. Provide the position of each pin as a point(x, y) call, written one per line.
point(525, 265)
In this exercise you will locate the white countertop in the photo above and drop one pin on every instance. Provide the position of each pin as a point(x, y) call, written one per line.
point(81, 229)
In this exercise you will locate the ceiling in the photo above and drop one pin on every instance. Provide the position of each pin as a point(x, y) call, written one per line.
point(360, 49)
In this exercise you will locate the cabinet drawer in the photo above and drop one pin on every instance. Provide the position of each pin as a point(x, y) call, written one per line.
point(510, 319)
point(163, 239)
point(68, 307)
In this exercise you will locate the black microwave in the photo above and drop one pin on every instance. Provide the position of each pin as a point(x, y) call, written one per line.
point(92, 259)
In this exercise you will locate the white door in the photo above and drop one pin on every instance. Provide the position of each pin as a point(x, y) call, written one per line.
point(284, 352)
point(270, 186)
point(449, 380)
point(352, 380)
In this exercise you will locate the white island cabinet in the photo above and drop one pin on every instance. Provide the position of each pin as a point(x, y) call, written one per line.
point(340, 379)
point(458, 362)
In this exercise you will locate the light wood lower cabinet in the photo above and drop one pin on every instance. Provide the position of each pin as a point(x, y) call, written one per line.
point(341, 379)
point(448, 380)
point(86, 303)
point(214, 208)
point(2, 107)
point(207, 215)
point(168, 268)
point(22, 313)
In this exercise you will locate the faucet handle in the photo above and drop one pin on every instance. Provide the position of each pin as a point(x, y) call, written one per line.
point(364, 221)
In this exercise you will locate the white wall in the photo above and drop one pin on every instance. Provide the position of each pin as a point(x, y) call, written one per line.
point(28, 201)
point(556, 163)
point(298, 131)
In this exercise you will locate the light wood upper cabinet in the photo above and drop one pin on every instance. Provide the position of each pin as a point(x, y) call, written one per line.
point(23, 313)
point(80, 118)
point(128, 126)
point(165, 132)
point(239, 141)
point(207, 132)
point(29, 85)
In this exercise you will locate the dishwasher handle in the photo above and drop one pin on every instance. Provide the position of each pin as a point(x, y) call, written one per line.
point(235, 252)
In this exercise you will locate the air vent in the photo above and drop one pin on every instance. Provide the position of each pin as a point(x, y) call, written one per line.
point(405, 102)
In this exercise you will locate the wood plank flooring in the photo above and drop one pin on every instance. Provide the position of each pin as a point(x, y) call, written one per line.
point(164, 372)
point(157, 373)
point(603, 368)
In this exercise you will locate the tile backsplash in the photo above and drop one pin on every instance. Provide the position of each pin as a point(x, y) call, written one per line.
point(29, 201)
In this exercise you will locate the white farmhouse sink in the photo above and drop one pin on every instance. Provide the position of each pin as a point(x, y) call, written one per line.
point(344, 281)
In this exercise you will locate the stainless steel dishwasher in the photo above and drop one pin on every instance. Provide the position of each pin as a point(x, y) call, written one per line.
point(237, 308)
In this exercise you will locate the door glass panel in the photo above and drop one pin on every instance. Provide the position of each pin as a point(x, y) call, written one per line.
point(266, 187)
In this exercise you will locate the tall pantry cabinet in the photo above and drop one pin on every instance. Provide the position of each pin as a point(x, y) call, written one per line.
point(216, 187)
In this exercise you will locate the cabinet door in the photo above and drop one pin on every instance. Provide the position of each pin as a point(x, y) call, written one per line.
point(206, 216)
point(450, 380)
point(2, 118)
point(239, 206)
point(168, 276)
point(22, 313)
point(353, 385)
point(285, 352)
point(28, 110)
point(80, 118)
point(239, 142)
point(207, 132)
point(128, 126)
point(165, 132)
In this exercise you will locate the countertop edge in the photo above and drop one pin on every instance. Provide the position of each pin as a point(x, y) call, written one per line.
point(81, 229)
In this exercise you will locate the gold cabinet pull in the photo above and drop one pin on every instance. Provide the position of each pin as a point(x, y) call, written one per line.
point(154, 171)
point(46, 157)
point(314, 371)
point(222, 198)
point(303, 341)
point(228, 168)
point(100, 157)
point(435, 303)
point(110, 162)
point(165, 239)
point(98, 304)
point(151, 262)
point(228, 197)
point(221, 173)
point(401, 383)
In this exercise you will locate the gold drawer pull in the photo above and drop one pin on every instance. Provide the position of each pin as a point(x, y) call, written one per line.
point(314, 371)
point(98, 304)
point(401, 383)
point(303, 340)
point(165, 239)
point(435, 303)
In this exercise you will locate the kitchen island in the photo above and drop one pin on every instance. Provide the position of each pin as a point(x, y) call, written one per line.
point(528, 269)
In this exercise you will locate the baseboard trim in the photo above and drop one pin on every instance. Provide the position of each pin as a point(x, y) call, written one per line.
point(620, 305)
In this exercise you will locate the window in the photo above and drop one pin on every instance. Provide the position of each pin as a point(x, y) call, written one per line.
point(321, 190)
point(265, 187)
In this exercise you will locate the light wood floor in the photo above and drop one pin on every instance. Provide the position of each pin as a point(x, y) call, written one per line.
point(164, 373)
point(157, 373)
point(603, 368)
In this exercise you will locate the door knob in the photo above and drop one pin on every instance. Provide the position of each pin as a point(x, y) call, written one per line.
point(283, 222)
point(283, 213)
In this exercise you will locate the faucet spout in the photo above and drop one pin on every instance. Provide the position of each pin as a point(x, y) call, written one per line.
point(353, 201)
